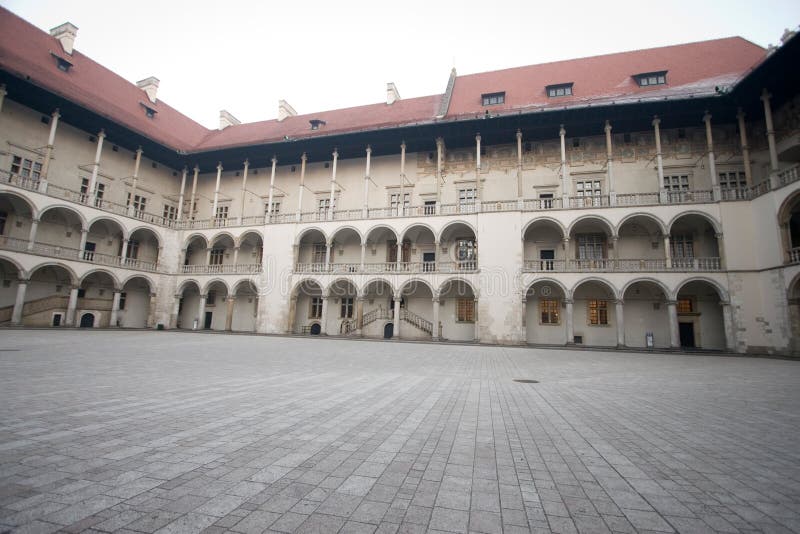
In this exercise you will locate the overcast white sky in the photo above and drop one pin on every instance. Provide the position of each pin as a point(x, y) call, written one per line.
point(243, 56)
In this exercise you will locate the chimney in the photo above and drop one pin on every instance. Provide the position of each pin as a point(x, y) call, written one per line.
point(66, 34)
point(226, 119)
point(285, 110)
point(392, 95)
point(149, 86)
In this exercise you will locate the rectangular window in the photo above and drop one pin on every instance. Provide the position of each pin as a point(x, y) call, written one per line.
point(276, 207)
point(216, 256)
point(466, 199)
point(429, 207)
point(324, 206)
point(732, 180)
point(681, 246)
point(588, 188)
point(347, 308)
point(122, 297)
point(598, 312)
point(211, 298)
point(677, 183)
point(394, 202)
point(100, 190)
point(170, 212)
point(315, 308)
point(549, 310)
point(492, 99)
point(546, 200)
point(465, 310)
point(466, 254)
point(139, 204)
point(591, 246)
point(685, 306)
point(222, 213)
point(26, 168)
point(133, 249)
point(647, 79)
point(562, 89)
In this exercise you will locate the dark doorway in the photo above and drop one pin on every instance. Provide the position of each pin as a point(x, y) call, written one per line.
point(57, 319)
point(316, 329)
point(207, 323)
point(87, 320)
point(388, 331)
point(686, 334)
point(547, 257)
point(88, 251)
point(428, 262)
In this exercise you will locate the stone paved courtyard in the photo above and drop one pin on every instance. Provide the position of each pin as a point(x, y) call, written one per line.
point(180, 432)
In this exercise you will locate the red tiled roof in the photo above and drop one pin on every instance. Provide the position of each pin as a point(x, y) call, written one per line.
point(693, 68)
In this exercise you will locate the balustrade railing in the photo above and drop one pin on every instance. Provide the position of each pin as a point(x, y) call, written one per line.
point(794, 255)
point(787, 176)
point(233, 268)
point(416, 320)
point(638, 199)
point(622, 265)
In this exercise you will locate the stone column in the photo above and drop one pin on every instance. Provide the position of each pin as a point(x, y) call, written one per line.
point(96, 165)
point(274, 161)
point(328, 246)
point(114, 308)
point(82, 245)
point(194, 192)
point(51, 140)
point(565, 189)
point(435, 328)
point(476, 316)
point(301, 186)
point(402, 206)
point(667, 252)
point(32, 233)
point(773, 151)
point(524, 319)
point(19, 302)
point(292, 314)
point(620, 322)
point(201, 312)
point(72, 305)
point(612, 190)
point(333, 184)
point(359, 314)
point(569, 322)
point(216, 191)
point(363, 256)
point(659, 160)
point(478, 191)
point(674, 330)
point(236, 255)
point(615, 247)
point(727, 319)
point(151, 312)
point(123, 255)
point(134, 184)
point(365, 207)
point(208, 255)
point(176, 310)
point(324, 319)
point(712, 165)
point(179, 215)
point(230, 301)
point(748, 171)
point(723, 264)
point(396, 333)
point(519, 168)
point(439, 165)
point(244, 190)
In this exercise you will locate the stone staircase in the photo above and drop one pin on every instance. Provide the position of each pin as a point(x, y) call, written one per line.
point(53, 302)
point(417, 321)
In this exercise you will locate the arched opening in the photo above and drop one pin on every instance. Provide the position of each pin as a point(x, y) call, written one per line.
point(188, 309)
point(416, 312)
point(459, 248)
point(543, 246)
point(594, 314)
point(422, 249)
point(794, 315)
point(60, 228)
point(134, 303)
point(346, 248)
point(16, 218)
point(458, 310)
point(311, 252)
point(646, 315)
point(693, 244)
point(388, 331)
point(195, 259)
point(377, 307)
point(142, 250)
point(640, 246)
point(544, 314)
point(47, 296)
point(96, 296)
point(383, 253)
point(221, 256)
point(9, 282)
point(341, 313)
point(251, 251)
point(245, 307)
point(217, 312)
point(591, 245)
point(701, 322)
point(306, 308)
point(789, 223)
point(87, 320)
point(104, 242)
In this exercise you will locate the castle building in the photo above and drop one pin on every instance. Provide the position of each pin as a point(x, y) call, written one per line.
point(642, 199)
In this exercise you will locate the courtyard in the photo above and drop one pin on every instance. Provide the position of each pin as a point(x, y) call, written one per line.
point(131, 431)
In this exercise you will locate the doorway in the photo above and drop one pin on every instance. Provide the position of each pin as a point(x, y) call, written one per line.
point(87, 320)
point(428, 262)
point(547, 258)
point(56, 319)
point(316, 329)
point(207, 321)
point(88, 251)
point(388, 331)
point(686, 332)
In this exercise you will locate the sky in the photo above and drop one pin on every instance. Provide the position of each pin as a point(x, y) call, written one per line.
point(243, 56)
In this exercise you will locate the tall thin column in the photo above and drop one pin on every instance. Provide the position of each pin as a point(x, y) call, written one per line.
point(179, 215)
point(727, 319)
point(667, 252)
point(82, 245)
point(659, 157)
point(363, 256)
point(230, 301)
point(123, 254)
point(476, 317)
point(19, 302)
point(396, 333)
point(112, 322)
point(365, 206)
point(302, 185)
point(620, 317)
point(324, 319)
point(151, 311)
point(612, 190)
point(524, 318)
point(359, 314)
point(96, 164)
point(194, 192)
point(478, 191)
point(244, 190)
point(271, 188)
point(72, 305)
point(712, 164)
point(48, 154)
point(439, 163)
point(674, 331)
point(3, 94)
point(176, 309)
point(134, 182)
point(402, 204)
point(333, 184)
point(569, 322)
point(32, 233)
point(519, 166)
point(565, 189)
point(216, 191)
point(201, 312)
point(435, 327)
point(773, 151)
point(328, 246)
point(748, 171)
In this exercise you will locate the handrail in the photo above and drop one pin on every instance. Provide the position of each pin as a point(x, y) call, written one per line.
point(417, 320)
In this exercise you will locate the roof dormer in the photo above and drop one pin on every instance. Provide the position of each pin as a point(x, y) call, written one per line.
point(646, 79)
point(316, 124)
point(62, 63)
point(559, 89)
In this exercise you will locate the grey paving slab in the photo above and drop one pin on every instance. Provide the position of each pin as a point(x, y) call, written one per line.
point(105, 431)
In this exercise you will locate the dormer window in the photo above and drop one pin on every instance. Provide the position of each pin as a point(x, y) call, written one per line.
point(559, 89)
point(493, 99)
point(316, 124)
point(647, 79)
point(150, 112)
point(61, 63)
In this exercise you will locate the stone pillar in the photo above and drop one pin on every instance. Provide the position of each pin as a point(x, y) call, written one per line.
point(567, 255)
point(359, 314)
point(96, 165)
point(301, 186)
point(292, 314)
point(32, 233)
point(439, 165)
point(478, 191)
point(179, 215)
point(402, 206)
point(230, 301)
point(727, 319)
point(192, 205)
point(435, 330)
point(134, 184)
point(363, 256)
point(271, 188)
point(615, 247)
point(19, 302)
point(151, 312)
point(365, 208)
point(524, 319)
point(201, 312)
point(51, 140)
point(208, 255)
point(216, 191)
point(773, 151)
point(328, 246)
point(667, 252)
point(176, 310)
point(612, 190)
point(396, 333)
point(333, 184)
point(519, 167)
point(82, 246)
point(565, 189)
point(236, 255)
point(712, 165)
point(123, 255)
point(659, 159)
point(477, 335)
point(244, 190)
point(748, 171)
point(324, 319)
point(569, 322)
point(674, 331)
point(723, 264)
point(72, 305)
point(114, 308)
point(620, 322)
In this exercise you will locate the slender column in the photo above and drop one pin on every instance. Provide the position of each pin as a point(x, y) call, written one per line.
point(216, 191)
point(727, 319)
point(620, 322)
point(615, 247)
point(402, 206)
point(674, 331)
point(324, 319)
point(295, 254)
point(567, 255)
point(96, 164)
point(72, 305)
point(519, 165)
point(201, 312)
point(229, 301)
point(184, 251)
point(748, 171)
point(235, 255)
point(19, 302)
point(399, 255)
point(123, 255)
point(333, 184)
point(271, 188)
point(659, 158)
point(476, 316)
point(292, 313)
point(82, 246)
point(328, 247)
point(51, 140)
point(524, 319)
point(396, 333)
point(365, 208)
point(135, 181)
point(569, 322)
point(478, 191)
point(179, 215)
point(612, 189)
point(208, 255)
point(114, 309)
point(176, 309)
point(194, 192)
point(565, 190)
point(435, 328)
point(439, 163)
point(363, 256)
point(151, 311)
point(712, 165)
point(773, 151)
point(667, 252)
point(32, 233)
point(721, 248)
point(303, 159)
point(359, 314)
point(244, 190)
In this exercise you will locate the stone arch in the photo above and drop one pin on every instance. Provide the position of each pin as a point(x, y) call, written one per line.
point(363, 290)
point(566, 292)
point(149, 229)
point(368, 233)
point(413, 281)
point(247, 233)
point(711, 220)
point(108, 219)
point(309, 230)
point(221, 235)
point(345, 228)
point(551, 220)
point(603, 221)
point(333, 290)
point(192, 237)
point(73, 276)
point(427, 226)
point(214, 281)
point(31, 206)
point(111, 275)
point(305, 283)
point(721, 291)
point(186, 283)
point(666, 290)
point(22, 273)
point(450, 224)
point(645, 215)
point(246, 281)
point(447, 284)
point(69, 209)
point(597, 280)
point(151, 284)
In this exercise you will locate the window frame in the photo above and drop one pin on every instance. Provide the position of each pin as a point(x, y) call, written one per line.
point(597, 312)
point(315, 307)
point(559, 90)
point(549, 312)
point(493, 99)
point(649, 79)
point(465, 310)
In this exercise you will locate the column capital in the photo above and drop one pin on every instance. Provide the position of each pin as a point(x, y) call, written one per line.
point(56, 113)
point(178, 296)
point(153, 295)
point(84, 230)
point(561, 131)
point(204, 296)
point(439, 141)
point(246, 163)
point(619, 302)
point(765, 95)
point(102, 134)
point(568, 301)
point(607, 127)
point(117, 291)
point(656, 121)
point(718, 235)
point(139, 151)
point(707, 117)
point(35, 220)
point(724, 303)
point(22, 280)
point(478, 137)
point(335, 153)
point(230, 298)
point(219, 166)
point(740, 114)
point(403, 145)
point(303, 157)
point(519, 133)
point(369, 149)
point(672, 302)
point(196, 169)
